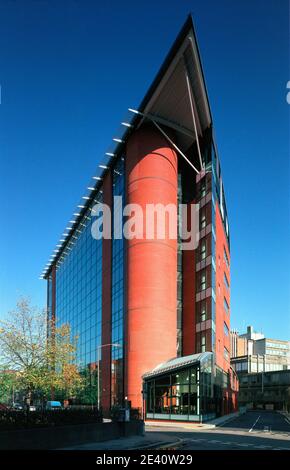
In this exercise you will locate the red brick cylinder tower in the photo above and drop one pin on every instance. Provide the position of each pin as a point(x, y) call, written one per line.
point(151, 175)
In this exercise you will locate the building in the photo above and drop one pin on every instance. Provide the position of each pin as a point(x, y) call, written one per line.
point(189, 388)
point(242, 345)
point(269, 390)
point(252, 352)
point(136, 303)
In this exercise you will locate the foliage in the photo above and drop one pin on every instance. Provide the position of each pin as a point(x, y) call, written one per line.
point(8, 383)
point(20, 419)
point(88, 394)
point(41, 355)
point(115, 413)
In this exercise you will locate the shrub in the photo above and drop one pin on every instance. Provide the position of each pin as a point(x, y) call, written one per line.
point(12, 420)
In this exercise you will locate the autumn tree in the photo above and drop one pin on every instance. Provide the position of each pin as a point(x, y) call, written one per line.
point(8, 385)
point(42, 362)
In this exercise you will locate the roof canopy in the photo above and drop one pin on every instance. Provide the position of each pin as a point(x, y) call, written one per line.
point(178, 96)
point(178, 363)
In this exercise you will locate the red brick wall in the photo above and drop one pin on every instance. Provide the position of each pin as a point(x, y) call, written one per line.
point(221, 291)
point(188, 293)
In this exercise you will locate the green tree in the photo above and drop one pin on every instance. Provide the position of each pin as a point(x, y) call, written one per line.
point(41, 354)
point(88, 395)
point(8, 385)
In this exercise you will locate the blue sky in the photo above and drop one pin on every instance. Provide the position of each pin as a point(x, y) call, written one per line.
point(68, 72)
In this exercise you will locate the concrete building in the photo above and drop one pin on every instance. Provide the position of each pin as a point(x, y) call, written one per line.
point(242, 344)
point(252, 352)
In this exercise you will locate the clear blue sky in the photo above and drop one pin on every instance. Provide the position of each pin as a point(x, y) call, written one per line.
point(68, 72)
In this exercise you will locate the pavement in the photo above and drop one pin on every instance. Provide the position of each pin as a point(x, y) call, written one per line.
point(149, 441)
point(192, 425)
point(254, 430)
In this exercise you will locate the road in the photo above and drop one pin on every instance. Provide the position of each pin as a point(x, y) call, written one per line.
point(255, 430)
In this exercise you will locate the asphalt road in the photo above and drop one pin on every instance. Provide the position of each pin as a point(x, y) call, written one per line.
point(254, 421)
point(255, 430)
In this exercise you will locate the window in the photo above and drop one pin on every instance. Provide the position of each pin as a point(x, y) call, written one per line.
point(226, 258)
point(226, 282)
point(203, 281)
point(203, 189)
point(79, 295)
point(203, 250)
point(226, 306)
point(203, 311)
point(276, 352)
point(202, 219)
point(226, 329)
point(276, 345)
point(117, 291)
point(203, 343)
point(226, 354)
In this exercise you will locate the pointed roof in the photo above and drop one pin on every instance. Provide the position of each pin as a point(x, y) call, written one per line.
point(177, 98)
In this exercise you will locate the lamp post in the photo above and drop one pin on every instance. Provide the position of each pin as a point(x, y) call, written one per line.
point(99, 348)
point(263, 370)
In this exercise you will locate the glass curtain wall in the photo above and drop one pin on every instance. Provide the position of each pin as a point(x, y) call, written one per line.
point(188, 394)
point(174, 394)
point(118, 246)
point(49, 304)
point(79, 298)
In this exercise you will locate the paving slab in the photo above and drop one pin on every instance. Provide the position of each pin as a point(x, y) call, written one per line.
point(128, 443)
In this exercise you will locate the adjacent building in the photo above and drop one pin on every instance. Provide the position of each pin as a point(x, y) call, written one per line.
point(153, 319)
point(242, 344)
point(251, 352)
point(265, 390)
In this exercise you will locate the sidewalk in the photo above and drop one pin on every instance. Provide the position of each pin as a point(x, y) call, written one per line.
point(155, 439)
point(224, 419)
point(179, 424)
point(195, 426)
point(128, 443)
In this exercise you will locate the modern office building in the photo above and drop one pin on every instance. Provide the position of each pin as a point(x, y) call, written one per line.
point(141, 302)
point(252, 352)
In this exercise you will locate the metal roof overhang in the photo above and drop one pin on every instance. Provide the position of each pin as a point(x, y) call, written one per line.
point(178, 363)
point(173, 100)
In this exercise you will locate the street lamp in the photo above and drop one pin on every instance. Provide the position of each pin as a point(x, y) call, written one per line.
point(117, 345)
point(263, 371)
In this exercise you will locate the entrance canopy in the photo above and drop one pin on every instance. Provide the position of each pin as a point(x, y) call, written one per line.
point(181, 389)
point(178, 363)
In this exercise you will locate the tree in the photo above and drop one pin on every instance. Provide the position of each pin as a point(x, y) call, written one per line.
point(8, 385)
point(41, 362)
point(88, 394)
